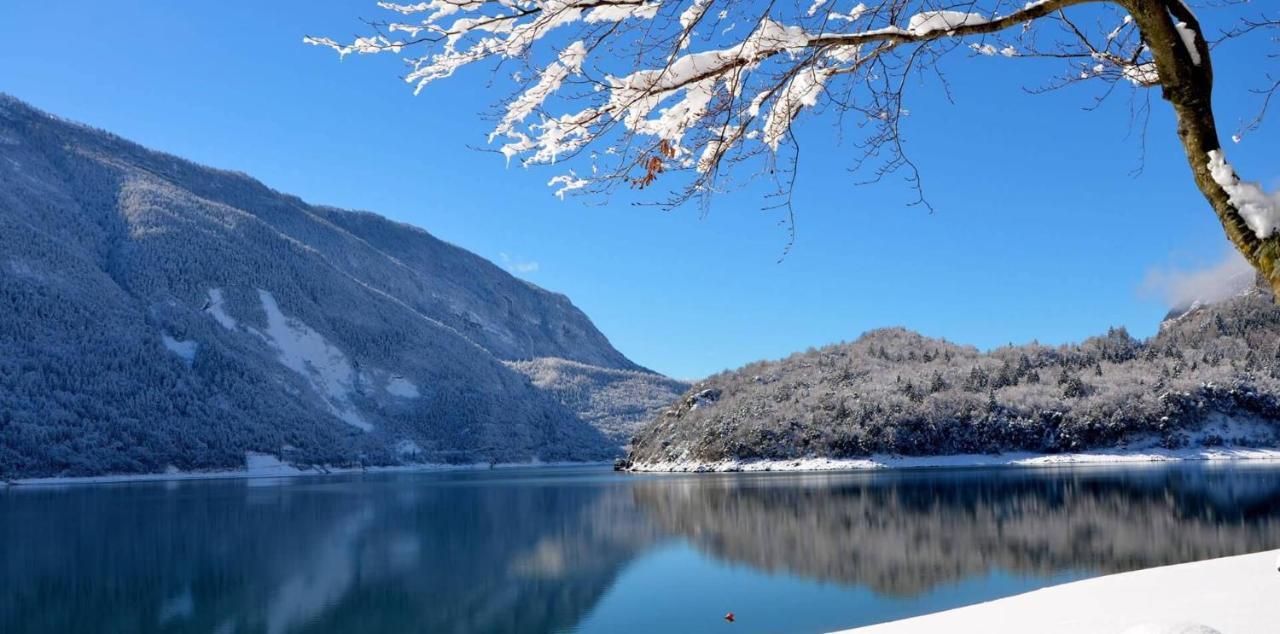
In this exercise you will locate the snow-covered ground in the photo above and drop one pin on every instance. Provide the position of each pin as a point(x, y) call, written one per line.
point(966, 460)
point(1232, 595)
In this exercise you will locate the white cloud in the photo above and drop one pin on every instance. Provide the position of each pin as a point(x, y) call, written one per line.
point(517, 265)
point(1179, 288)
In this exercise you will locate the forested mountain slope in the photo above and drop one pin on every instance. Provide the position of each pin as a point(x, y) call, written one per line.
point(1211, 376)
point(158, 314)
point(617, 402)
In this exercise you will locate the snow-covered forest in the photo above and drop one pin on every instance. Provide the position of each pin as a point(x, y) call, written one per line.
point(1210, 377)
point(163, 315)
point(617, 402)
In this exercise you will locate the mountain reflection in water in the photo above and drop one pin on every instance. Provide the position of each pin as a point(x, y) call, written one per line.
point(538, 551)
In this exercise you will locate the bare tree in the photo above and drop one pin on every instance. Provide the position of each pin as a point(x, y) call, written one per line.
point(692, 90)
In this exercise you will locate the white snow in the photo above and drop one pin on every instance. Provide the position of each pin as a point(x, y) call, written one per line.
point(1175, 628)
point(567, 182)
point(569, 63)
point(666, 101)
point(306, 352)
point(408, 448)
point(1232, 595)
point(634, 97)
point(1144, 74)
point(927, 22)
point(618, 13)
point(402, 387)
point(185, 349)
point(216, 309)
point(1018, 459)
point(693, 13)
point(801, 92)
point(265, 464)
point(1260, 210)
point(1250, 431)
point(1189, 40)
point(852, 16)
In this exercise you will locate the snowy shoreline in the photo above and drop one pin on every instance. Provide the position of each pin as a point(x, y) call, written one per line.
point(1019, 459)
point(1231, 595)
point(268, 467)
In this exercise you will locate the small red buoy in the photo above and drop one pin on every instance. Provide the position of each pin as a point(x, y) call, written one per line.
point(729, 617)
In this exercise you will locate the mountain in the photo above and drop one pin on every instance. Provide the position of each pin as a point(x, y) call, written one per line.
point(1211, 376)
point(615, 401)
point(157, 314)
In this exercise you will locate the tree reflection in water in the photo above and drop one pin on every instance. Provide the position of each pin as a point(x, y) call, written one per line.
point(535, 552)
point(907, 532)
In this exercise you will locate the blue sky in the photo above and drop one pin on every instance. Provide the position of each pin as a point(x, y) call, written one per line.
point(1040, 232)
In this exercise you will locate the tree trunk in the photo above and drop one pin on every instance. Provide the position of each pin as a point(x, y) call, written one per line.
point(1189, 88)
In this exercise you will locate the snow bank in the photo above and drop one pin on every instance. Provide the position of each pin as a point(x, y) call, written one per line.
point(1019, 459)
point(1232, 595)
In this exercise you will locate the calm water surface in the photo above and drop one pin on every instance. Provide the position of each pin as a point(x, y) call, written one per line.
point(587, 551)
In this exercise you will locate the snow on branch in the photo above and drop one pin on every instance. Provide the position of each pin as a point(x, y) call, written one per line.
point(1260, 209)
point(655, 86)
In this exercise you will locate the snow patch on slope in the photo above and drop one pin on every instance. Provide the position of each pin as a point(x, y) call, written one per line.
point(185, 349)
point(306, 352)
point(215, 308)
point(265, 464)
point(402, 387)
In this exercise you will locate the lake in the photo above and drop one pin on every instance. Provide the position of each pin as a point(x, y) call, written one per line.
point(584, 550)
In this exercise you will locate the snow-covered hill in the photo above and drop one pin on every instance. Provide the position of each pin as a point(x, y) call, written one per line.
point(1210, 378)
point(158, 314)
point(615, 401)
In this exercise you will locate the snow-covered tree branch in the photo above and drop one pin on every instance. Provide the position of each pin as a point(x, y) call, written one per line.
point(627, 92)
